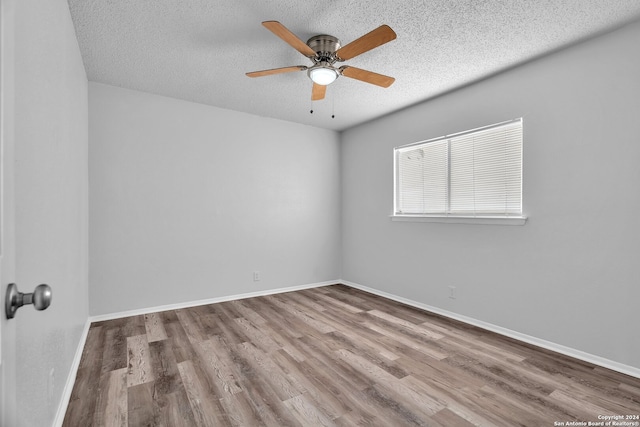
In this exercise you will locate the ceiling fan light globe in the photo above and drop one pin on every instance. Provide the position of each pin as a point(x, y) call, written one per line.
point(323, 75)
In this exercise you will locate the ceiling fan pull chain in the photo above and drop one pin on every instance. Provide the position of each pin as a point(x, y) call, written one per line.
point(333, 106)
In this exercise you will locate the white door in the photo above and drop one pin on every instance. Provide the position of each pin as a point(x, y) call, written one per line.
point(44, 214)
point(8, 365)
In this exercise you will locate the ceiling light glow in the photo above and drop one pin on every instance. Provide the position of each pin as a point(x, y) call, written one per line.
point(323, 75)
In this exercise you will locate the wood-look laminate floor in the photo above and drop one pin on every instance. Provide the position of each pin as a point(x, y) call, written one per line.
point(329, 356)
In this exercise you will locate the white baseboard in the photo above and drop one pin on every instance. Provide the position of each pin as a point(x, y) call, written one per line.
point(558, 348)
point(178, 306)
point(71, 379)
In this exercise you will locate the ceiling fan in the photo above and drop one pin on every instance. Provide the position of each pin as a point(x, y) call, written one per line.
point(324, 51)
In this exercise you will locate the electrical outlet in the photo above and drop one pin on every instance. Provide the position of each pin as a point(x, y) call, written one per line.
point(452, 292)
point(256, 276)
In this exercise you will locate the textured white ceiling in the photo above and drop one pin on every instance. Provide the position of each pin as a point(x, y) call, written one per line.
point(199, 50)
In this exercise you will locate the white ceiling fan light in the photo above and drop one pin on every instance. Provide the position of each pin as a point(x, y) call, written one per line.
point(323, 74)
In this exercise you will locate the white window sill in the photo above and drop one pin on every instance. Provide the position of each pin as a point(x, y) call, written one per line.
point(492, 220)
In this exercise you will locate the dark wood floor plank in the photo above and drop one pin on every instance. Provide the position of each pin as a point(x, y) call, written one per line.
point(352, 326)
point(226, 315)
point(306, 301)
point(240, 412)
point(631, 392)
point(341, 294)
point(407, 339)
point(275, 318)
point(94, 348)
point(179, 342)
point(81, 407)
point(375, 302)
point(115, 350)
point(208, 320)
point(449, 418)
point(389, 409)
point(272, 374)
point(168, 316)
point(328, 399)
point(266, 406)
point(307, 412)
point(84, 394)
point(112, 405)
point(329, 356)
point(300, 313)
point(217, 368)
point(328, 301)
point(162, 359)
point(322, 358)
point(256, 335)
point(406, 325)
point(140, 405)
point(174, 409)
point(370, 353)
point(191, 326)
point(206, 408)
point(284, 342)
point(248, 313)
point(534, 394)
point(421, 403)
point(453, 398)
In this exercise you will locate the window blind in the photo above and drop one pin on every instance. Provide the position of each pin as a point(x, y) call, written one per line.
point(473, 173)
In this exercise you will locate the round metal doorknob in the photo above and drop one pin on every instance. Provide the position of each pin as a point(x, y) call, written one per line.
point(40, 298)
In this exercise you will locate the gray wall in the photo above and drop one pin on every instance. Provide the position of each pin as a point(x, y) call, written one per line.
point(188, 200)
point(51, 202)
point(570, 275)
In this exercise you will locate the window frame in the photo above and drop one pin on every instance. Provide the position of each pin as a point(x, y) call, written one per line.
point(492, 218)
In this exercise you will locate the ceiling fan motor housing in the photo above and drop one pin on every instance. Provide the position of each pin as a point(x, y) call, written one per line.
point(325, 47)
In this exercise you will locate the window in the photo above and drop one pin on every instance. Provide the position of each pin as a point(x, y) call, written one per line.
point(473, 174)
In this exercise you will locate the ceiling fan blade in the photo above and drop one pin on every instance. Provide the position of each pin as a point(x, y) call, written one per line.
point(318, 91)
point(276, 71)
point(371, 40)
point(367, 76)
point(283, 32)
